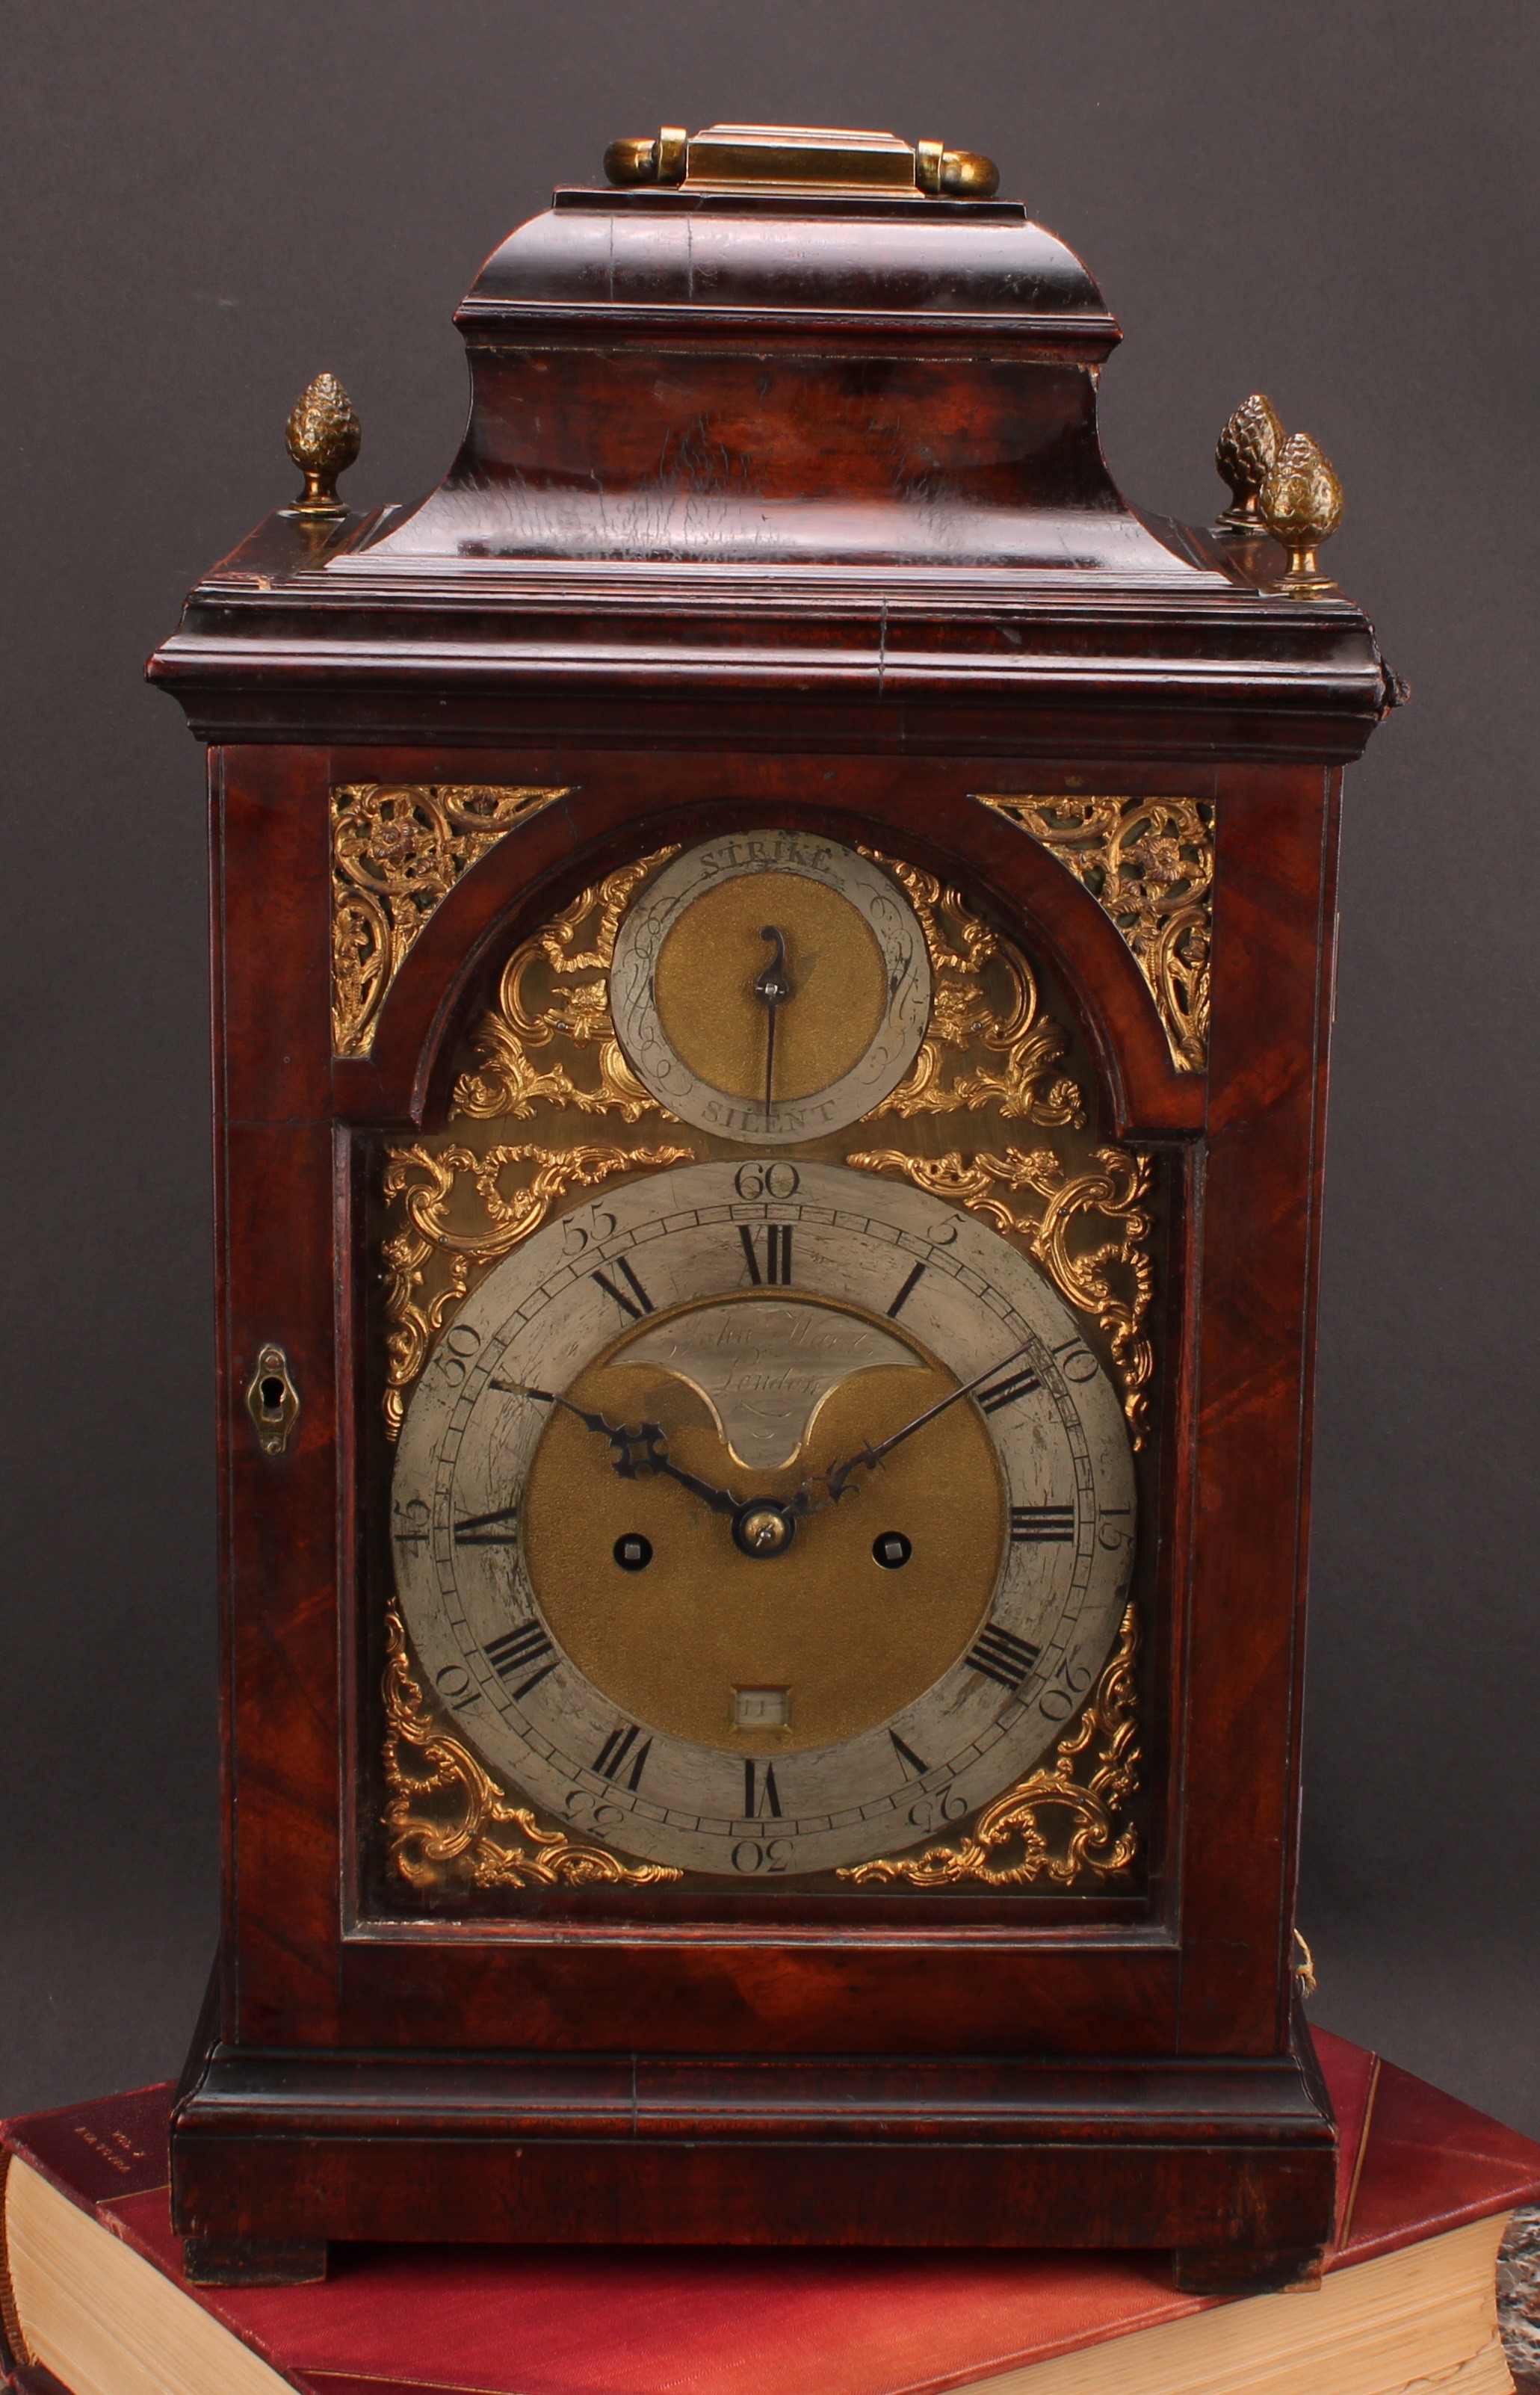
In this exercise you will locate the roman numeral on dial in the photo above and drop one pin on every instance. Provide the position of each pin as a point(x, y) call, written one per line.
point(616, 1752)
point(638, 1304)
point(483, 1530)
point(904, 1296)
point(512, 1654)
point(1001, 1656)
point(778, 1255)
point(907, 1757)
point(1005, 1392)
point(760, 1794)
point(1041, 1525)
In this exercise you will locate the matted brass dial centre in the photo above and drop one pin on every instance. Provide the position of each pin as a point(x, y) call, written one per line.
point(706, 976)
point(755, 1596)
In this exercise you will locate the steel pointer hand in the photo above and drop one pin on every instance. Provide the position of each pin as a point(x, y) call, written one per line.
point(638, 1454)
point(837, 1481)
point(772, 989)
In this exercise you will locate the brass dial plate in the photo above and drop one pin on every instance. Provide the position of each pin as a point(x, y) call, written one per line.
point(499, 1520)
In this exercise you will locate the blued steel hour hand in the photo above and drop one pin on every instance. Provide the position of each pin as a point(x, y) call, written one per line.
point(636, 1454)
point(772, 989)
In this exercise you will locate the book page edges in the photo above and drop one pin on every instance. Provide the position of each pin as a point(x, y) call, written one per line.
point(102, 2319)
point(1425, 2316)
point(107, 2322)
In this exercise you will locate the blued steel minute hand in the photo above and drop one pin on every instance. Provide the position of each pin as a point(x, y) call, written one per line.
point(635, 1454)
point(837, 1481)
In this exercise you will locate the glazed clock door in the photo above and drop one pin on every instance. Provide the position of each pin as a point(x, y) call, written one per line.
point(764, 1502)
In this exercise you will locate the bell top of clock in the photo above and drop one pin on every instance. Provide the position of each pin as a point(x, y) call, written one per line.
point(787, 344)
point(774, 402)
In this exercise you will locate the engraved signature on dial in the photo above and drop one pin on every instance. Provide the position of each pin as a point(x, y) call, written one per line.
point(765, 1369)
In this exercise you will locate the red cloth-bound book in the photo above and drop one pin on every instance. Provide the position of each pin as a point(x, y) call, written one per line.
point(582, 2321)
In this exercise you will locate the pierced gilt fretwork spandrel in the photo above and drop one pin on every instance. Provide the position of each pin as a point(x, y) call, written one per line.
point(398, 849)
point(991, 1042)
point(550, 1036)
point(449, 1826)
point(1067, 1823)
point(1149, 863)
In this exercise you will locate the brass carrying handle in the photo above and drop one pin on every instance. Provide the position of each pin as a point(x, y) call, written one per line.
point(794, 156)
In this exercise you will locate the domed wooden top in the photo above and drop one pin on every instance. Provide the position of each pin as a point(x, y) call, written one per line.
point(780, 223)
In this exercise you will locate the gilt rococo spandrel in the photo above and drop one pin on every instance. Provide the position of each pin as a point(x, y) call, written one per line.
point(773, 952)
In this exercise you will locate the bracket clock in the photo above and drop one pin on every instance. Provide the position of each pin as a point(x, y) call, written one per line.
point(772, 951)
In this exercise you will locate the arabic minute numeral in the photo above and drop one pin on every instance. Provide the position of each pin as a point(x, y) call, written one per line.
point(777, 1273)
point(1041, 1525)
point(617, 1752)
point(1076, 1361)
point(412, 1520)
point(1063, 1695)
point(639, 1303)
point(1007, 1391)
point(768, 1855)
point(932, 1812)
point(776, 1180)
point(1000, 1655)
point(515, 1649)
point(580, 1232)
point(457, 1688)
point(1110, 1533)
point(458, 1347)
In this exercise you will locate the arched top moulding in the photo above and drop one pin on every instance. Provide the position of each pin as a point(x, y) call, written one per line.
point(434, 884)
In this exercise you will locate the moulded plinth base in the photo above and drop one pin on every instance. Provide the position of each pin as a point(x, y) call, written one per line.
point(1231, 2163)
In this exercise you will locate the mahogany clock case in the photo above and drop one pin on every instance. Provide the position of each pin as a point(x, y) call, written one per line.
point(977, 2063)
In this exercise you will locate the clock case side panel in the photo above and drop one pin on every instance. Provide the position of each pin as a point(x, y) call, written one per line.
point(277, 1262)
point(1274, 957)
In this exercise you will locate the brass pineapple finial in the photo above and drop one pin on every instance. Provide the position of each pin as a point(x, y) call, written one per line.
point(323, 435)
point(1246, 454)
point(1302, 506)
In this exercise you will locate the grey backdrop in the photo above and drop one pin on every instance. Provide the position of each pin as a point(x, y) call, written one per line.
point(208, 201)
